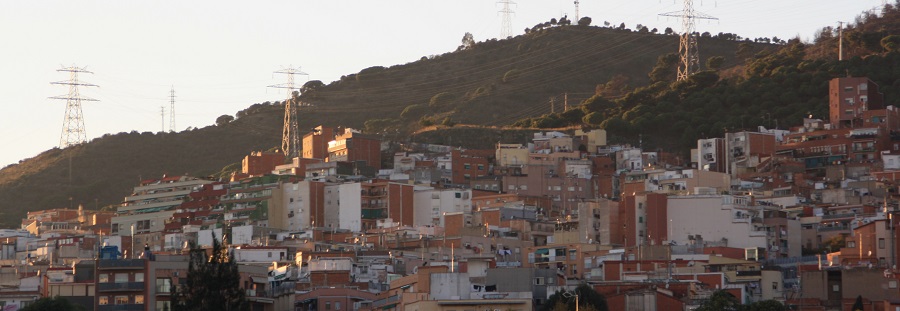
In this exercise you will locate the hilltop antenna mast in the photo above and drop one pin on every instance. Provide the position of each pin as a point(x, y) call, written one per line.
point(290, 135)
point(506, 25)
point(577, 12)
point(73, 124)
point(172, 110)
point(687, 48)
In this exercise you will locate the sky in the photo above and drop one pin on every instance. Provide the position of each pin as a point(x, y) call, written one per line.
point(220, 56)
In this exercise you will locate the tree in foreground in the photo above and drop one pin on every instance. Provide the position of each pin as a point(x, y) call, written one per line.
point(53, 304)
point(588, 300)
point(213, 282)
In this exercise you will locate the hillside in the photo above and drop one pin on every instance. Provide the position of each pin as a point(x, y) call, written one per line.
point(488, 83)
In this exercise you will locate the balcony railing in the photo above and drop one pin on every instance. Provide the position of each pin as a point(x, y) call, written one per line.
point(125, 307)
point(129, 286)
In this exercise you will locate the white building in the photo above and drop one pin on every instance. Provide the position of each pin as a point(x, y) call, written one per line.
point(722, 219)
point(343, 206)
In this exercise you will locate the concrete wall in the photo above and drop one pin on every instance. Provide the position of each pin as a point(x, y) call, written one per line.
point(450, 286)
point(712, 217)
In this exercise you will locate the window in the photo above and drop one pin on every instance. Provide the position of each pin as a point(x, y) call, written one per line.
point(539, 281)
point(104, 300)
point(121, 300)
point(523, 187)
point(139, 299)
point(121, 277)
point(163, 305)
point(835, 288)
point(775, 285)
point(480, 167)
point(327, 305)
point(163, 285)
point(104, 278)
point(139, 277)
point(641, 219)
point(881, 243)
point(337, 305)
point(467, 166)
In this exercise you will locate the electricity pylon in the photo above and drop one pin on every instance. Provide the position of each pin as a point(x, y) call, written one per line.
point(290, 134)
point(172, 110)
point(73, 132)
point(687, 48)
point(506, 26)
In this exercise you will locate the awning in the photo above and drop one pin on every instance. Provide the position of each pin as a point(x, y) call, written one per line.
point(259, 279)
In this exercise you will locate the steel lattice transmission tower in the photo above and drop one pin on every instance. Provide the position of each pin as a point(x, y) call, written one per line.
point(506, 24)
point(290, 135)
point(172, 110)
point(73, 124)
point(577, 12)
point(687, 48)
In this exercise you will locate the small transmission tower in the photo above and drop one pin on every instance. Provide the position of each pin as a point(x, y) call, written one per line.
point(73, 124)
point(577, 12)
point(172, 110)
point(290, 135)
point(162, 117)
point(506, 24)
point(687, 48)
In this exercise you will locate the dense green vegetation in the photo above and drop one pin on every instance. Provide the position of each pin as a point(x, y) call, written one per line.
point(773, 88)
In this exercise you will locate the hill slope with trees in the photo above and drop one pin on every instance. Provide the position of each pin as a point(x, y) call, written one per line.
point(599, 73)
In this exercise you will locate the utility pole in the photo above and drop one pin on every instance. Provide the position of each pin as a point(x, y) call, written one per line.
point(172, 110)
point(290, 135)
point(506, 25)
point(840, 40)
point(162, 119)
point(73, 123)
point(687, 47)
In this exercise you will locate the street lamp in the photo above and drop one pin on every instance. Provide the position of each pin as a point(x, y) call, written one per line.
point(570, 295)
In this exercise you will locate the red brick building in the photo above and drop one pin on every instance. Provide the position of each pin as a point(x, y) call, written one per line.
point(315, 143)
point(849, 98)
point(351, 146)
point(261, 163)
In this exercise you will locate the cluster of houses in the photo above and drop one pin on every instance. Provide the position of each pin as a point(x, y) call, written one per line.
point(804, 216)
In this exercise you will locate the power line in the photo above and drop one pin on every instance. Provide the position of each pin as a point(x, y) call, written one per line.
point(73, 132)
point(687, 47)
point(290, 135)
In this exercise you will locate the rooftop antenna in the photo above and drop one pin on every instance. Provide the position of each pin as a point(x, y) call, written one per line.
point(506, 25)
point(73, 123)
point(290, 135)
point(687, 48)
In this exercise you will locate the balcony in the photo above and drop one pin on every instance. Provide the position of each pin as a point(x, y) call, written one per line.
point(120, 287)
point(125, 307)
point(121, 264)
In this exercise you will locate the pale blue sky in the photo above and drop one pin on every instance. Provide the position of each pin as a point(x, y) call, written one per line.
point(220, 55)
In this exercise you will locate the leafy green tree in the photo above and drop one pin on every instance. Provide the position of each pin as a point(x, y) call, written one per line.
point(765, 305)
point(53, 304)
point(213, 282)
point(224, 119)
point(715, 62)
point(588, 299)
point(858, 305)
point(720, 300)
point(665, 69)
point(891, 43)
